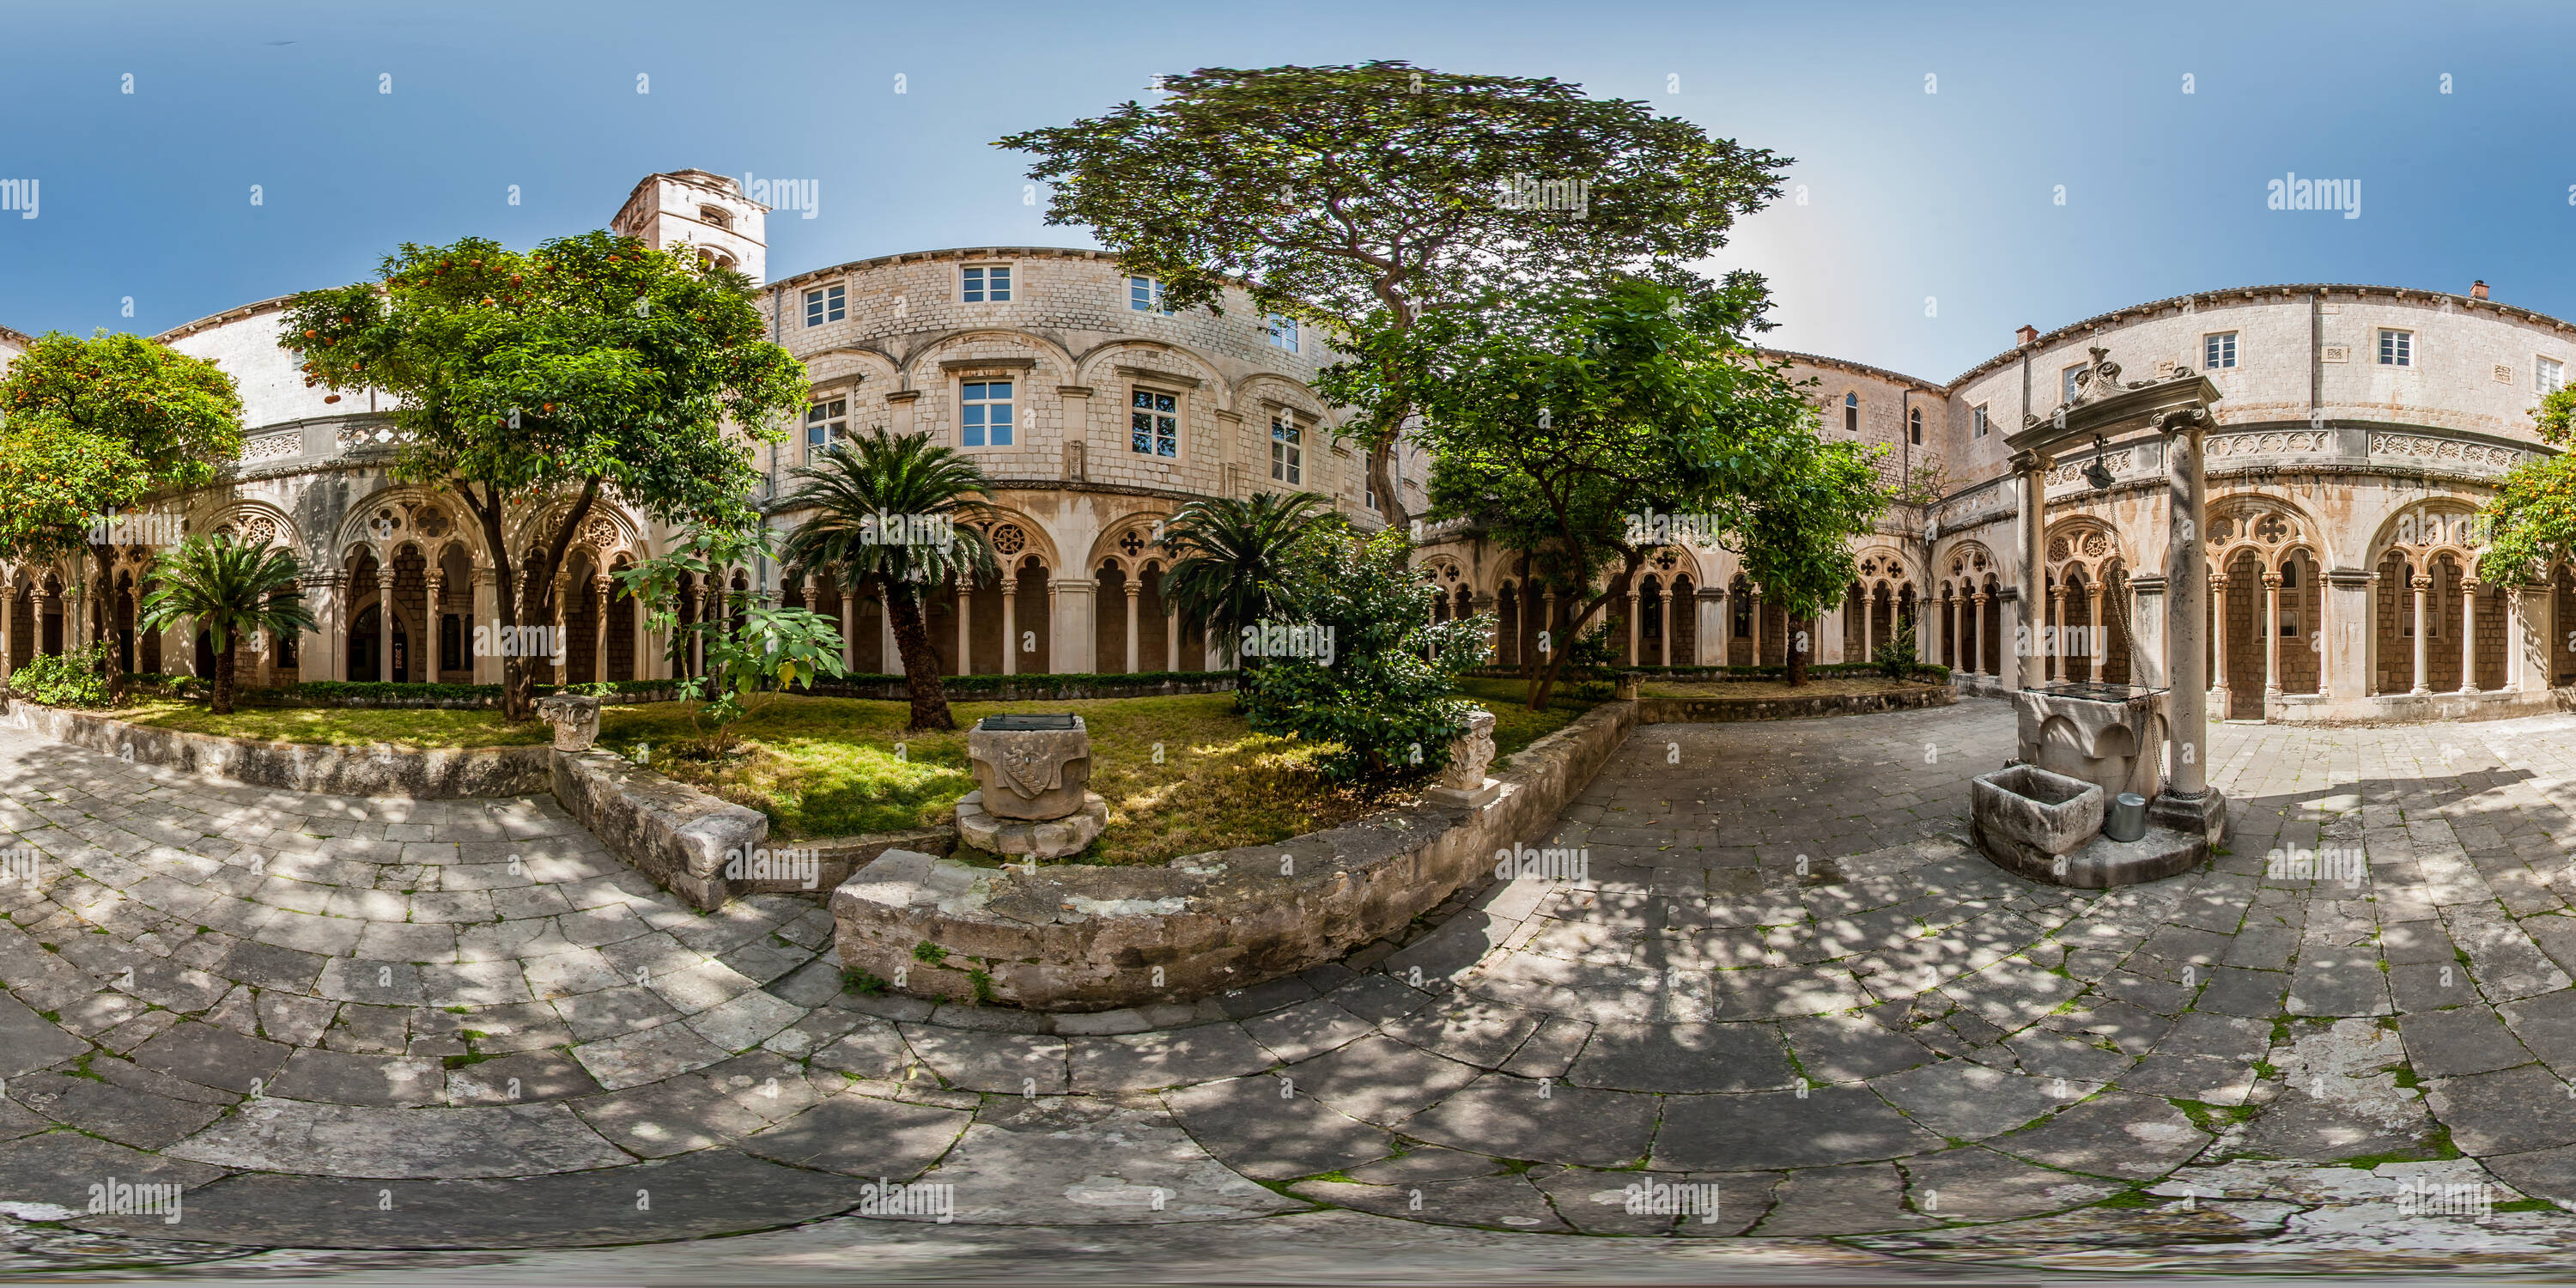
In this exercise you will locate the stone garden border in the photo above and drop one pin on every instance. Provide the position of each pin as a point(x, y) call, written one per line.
point(1079, 938)
point(299, 766)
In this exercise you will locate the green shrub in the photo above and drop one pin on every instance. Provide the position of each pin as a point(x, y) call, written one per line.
point(73, 679)
point(1896, 657)
point(1388, 696)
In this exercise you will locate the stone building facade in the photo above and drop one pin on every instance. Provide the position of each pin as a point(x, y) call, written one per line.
point(1097, 412)
point(2360, 427)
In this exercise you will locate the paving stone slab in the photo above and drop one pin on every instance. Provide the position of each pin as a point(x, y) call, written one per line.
point(1078, 1160)
point(275, 1135)
point(1532, 1120)
point(704, 1195)
point(1772, 1130)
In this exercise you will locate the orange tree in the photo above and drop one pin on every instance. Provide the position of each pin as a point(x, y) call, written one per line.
point(2531, 521)
point(91, 427)
point(533, 384)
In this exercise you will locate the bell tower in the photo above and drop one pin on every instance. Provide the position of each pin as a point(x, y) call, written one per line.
point(699, 210)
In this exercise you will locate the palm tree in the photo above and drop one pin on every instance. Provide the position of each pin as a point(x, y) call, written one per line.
point(1232, 560)
point(895, 513)
point(230, 591)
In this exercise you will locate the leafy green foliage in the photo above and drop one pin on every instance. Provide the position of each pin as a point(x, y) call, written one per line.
point(70, 679)
point(752, 652)
point(1389, 696)
point(1232, 559)
point(92, 426)
point(853, 493)
point(229, 591)
point(1556, 417)
point(1897, 655)
point(1366, 196)
point(593, 365)
point(2531, 519)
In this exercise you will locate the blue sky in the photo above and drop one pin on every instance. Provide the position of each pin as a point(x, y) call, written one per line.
point(1911, 196)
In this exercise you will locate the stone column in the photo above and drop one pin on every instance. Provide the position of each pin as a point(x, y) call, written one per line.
point(2055, 666)
point(1977, 633)
point(1755, 595)
point(2468, 635)
point(2271, 640)
point(1672, 606)
point(1633, 658)
point(1073, 630)
point(1171, 641)
point(1131, 587)
point(2513, 634)
point(562, 660)
point(2218, 690)
point(1010, 626)
point(849, 619)
point(2421, 583)
point(1950, 654)
point(965, 627)
point(1868, 625)
point(2187, 613)
point(1710, 646)
point(2093, 649)
point(599, 598)
point(2030, 477)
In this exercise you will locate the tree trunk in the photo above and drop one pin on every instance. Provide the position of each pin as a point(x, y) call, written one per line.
point(1558, 651)
point(1382, 477)
point(113, 665)
point(920, 662)
point(224, 674)
point(1796, 657)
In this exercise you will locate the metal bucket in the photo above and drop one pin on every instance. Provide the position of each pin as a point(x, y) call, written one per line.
point(2126, 820)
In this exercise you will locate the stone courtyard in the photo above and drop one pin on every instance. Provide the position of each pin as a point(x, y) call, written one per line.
point(1780, 988)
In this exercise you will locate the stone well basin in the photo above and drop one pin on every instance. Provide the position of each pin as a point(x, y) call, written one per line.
point(2025, 817)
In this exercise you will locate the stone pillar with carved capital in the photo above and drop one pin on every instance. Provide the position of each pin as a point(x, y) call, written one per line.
point(2030, 526)
point(1633, 659)
point(1133, 587)
point(1010, 626)
point(599, 599)
point(2271, 639)
point(2421, 584)
point(2468, 635)
point(965, 627)
point(2093, 649)
point(2218, 682)
point(2187, 613)
point(1672, 607)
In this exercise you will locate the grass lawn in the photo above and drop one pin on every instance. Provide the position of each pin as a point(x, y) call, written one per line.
point(1816, 686)
point(1181, 774)
point(413, 727)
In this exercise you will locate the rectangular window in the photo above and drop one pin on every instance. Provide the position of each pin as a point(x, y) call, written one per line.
point(1145, 295)
point(827, 426)
point(1283, 332)
point(2397, 348)
point(2066, 382)
point(2548, 374)
point(1287, 449)
point(826, 304)
point(1154, 424)
point(1981, 424)
point(984, 414)
point(986, 284)
point(2218, 350)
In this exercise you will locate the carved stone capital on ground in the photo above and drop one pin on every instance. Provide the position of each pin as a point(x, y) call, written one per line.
point(1031, 767)
point(1463, 783)
point(575, 718)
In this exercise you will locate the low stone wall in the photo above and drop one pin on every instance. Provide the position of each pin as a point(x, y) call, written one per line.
point(1080, 938)
point(304, 767)
point(679, 836)
point(2412, 708)
point(1037, 688)
point(1654, 710)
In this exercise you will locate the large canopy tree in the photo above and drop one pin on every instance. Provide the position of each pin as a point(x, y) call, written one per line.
point(90, 427)
point(1366, 197)
point(1574, 425)
point(532, 384)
